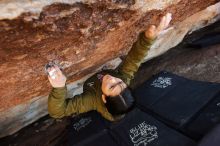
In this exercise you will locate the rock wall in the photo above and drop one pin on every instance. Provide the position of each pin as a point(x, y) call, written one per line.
point(81, 35)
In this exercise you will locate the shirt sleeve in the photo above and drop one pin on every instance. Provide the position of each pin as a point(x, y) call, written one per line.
point(134, 58)
point(60, 106)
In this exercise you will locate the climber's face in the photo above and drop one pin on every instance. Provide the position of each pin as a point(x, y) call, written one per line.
point(112, 86)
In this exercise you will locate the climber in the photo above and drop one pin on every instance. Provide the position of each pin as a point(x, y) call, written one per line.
point(107, 91)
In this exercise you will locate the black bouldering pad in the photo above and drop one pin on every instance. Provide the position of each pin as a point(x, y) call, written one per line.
point(207, 119)
point(174, 99)
point(86, 127)
point(138, 128)
point(211, 138)
point(156, 88)
point(101, 138)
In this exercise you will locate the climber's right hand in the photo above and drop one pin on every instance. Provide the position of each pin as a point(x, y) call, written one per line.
point(154, 31)
point(56, 77)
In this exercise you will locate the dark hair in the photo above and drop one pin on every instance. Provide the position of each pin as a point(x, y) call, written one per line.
point(120, 104)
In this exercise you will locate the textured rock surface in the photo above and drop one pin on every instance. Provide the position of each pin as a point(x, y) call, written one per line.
point(80, 36)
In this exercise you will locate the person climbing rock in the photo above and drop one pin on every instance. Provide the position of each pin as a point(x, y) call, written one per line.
point(107, 91)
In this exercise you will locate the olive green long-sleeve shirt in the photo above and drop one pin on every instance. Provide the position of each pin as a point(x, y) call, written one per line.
point(60, 106)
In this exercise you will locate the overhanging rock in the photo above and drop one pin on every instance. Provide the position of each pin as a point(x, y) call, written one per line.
point(80, 35)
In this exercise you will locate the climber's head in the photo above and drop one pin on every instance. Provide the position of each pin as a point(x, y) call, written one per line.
point(116, 95)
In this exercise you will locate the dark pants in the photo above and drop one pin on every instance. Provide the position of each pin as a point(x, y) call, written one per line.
point(212, 138)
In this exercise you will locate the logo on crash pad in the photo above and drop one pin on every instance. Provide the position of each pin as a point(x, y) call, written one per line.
point(82, 123)
point(143, 134)
point(162, 82)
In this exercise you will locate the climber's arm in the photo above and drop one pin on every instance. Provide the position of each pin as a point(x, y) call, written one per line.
point(134, 58)
point(60, 106)
point(140, 49)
